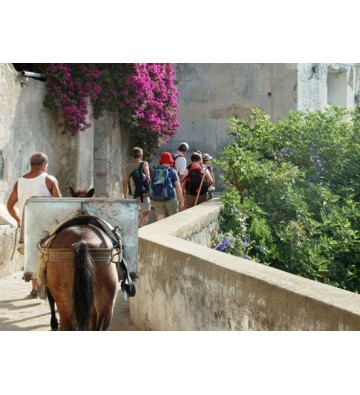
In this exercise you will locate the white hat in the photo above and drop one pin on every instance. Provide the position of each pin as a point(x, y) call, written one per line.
point(206, 157)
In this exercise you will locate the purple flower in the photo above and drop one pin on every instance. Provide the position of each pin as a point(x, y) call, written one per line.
point(223, 245)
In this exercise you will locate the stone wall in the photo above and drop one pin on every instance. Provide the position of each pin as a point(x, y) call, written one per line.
point(25, 127)
point(96, 157)
point(183, 285)
point(112, 147)
point(210, 94)
point(315, 85)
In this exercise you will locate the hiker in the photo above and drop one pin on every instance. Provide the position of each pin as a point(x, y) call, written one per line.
point(165, 187)
point(197, 181)
point(136, 183)
point(37, 182)
point(180, 162)
point(206, 158)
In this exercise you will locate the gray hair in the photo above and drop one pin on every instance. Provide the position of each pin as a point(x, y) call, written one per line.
point(38, 158)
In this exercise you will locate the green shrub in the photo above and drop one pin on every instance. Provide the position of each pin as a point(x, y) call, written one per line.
point(292, 194)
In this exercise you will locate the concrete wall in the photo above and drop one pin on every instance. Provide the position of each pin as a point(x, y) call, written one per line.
point(183, 285)
point(112, 149)
point(210, 94)
point(320, 84)
point(284, 90)
point(25, 127)
point(95, 157)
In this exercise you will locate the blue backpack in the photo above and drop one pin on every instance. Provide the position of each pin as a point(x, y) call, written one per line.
point(161, 187)
point(140, 183)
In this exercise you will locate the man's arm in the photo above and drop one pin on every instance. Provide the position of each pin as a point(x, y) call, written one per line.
point(13, 198)
point(182, 183)
point(146, 172)
point(211, 170)
point(180, 195)
point(53, 186)
point(210, 180)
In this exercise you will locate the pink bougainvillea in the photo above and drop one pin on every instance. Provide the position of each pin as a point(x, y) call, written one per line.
point(144, 95)
point(69, 87)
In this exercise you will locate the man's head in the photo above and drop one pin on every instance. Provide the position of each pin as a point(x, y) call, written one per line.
point(206, 157)
point(184, 147)
point(195, 157)
point(166, 159)
point(137, 153)
point(38, 159)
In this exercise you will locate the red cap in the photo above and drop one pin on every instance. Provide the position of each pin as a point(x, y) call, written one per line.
point(166, 159)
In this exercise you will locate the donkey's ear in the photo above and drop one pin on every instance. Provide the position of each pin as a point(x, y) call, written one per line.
point(90, 192)
point(73, 194)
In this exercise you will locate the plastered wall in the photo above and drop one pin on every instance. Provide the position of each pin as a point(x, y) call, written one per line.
point(184, 285)
point(96, 157)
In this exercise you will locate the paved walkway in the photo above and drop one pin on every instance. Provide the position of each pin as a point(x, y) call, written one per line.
point(20, 314)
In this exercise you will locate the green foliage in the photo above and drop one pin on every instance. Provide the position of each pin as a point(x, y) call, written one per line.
point(292, 198)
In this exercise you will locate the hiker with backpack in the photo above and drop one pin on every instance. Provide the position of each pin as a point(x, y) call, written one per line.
point(197, 181)
point(180, 162)
point(206, 161)
point(165, 189)
point(136, 183)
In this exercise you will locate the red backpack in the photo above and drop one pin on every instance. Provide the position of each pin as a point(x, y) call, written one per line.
point(193, 180)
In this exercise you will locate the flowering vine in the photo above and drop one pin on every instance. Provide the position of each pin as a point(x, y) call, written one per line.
point(144, 95)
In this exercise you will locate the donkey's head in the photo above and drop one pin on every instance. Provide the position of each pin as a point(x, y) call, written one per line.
point(82, 192)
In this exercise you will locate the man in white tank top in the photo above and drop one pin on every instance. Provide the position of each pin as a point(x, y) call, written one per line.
point(34, 183)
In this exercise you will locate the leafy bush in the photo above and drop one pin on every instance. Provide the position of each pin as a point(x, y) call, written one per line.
point(292, 198)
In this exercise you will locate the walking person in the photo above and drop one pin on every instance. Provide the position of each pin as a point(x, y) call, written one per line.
point(165, 188)
point(37, 182)
point(136, 182)
point(197, 181)
point(206, 158)
point(180, 162)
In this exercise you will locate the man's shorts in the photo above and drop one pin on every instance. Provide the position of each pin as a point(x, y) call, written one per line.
point(190, 199)
point(166, 208)
point(145, 205)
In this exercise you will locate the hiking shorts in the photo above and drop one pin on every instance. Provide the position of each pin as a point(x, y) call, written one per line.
point(190, 199)
point(145, 205)
point(166, 208)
